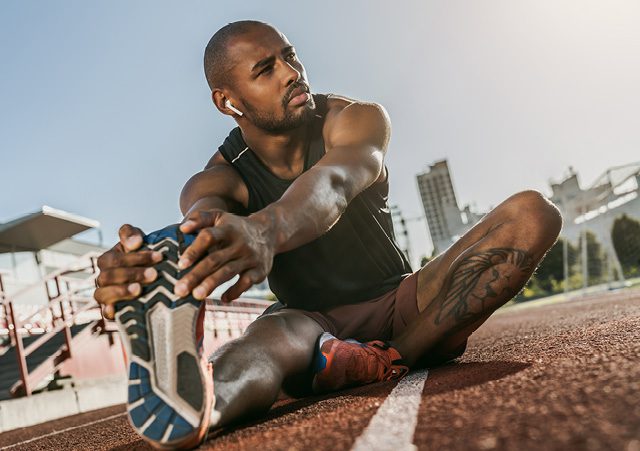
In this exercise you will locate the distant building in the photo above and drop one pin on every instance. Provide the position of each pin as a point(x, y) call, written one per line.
point(574, 201)
point(614, 193)
point(445, 219)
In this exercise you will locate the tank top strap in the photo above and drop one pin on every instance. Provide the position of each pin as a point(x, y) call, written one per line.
point(316, 145)
point(233, 146)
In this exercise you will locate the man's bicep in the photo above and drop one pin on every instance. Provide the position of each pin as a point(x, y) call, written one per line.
point(356, 141)
point(216, 187)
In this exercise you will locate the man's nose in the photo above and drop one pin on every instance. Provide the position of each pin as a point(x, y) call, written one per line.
point(293, 75)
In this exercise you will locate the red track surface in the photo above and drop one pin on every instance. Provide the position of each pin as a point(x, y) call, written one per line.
point(563, 376)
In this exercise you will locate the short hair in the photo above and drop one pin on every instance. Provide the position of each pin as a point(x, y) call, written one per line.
point(216, 63)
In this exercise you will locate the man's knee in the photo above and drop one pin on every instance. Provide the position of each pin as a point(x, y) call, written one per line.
point(259, 342)
point(252, 359)
point(284, 337)
point(272, 324)
point(535, 215)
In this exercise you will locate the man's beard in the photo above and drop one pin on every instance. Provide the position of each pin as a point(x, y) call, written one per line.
point(272, 124)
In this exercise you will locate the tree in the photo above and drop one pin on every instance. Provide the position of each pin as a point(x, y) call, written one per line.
point(595, 258)
point(625, 235)
point(551, 269)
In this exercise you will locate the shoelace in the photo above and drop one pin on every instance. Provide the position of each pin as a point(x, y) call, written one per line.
point(386, 369)
point(395, 372)
point(392, 370)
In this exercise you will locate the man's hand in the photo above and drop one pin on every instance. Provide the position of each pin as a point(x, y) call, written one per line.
point(123, 271)
point(234, 244)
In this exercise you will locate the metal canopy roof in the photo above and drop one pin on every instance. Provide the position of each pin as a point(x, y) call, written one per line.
point(41, 229)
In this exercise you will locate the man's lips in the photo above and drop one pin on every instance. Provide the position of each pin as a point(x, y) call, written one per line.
point(299, 99)
point(299, 96)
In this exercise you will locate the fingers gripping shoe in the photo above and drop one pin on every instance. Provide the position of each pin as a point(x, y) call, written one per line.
point(170, 396)
point(346, 363)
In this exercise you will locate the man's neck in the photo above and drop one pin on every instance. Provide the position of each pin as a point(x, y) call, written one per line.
point(280, 152)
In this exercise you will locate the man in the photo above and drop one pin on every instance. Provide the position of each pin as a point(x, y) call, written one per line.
point(298, 193)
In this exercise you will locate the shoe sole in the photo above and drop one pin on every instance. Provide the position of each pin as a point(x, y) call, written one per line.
point(167, 392)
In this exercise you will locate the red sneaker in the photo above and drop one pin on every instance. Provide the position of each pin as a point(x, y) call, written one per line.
point(346, 363)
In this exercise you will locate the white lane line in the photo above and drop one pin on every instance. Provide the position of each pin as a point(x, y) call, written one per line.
point(393, 425)
point(65, 430)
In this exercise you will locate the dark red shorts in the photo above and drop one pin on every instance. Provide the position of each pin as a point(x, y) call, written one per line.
point(382, 318)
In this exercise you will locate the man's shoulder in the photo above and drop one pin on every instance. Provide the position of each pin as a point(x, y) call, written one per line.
point(219, 171)
point(339, 101)
point(217, 160)
point(217, 179)
point(337, 104)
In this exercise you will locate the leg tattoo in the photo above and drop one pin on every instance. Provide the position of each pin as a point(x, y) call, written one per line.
point(483, 282)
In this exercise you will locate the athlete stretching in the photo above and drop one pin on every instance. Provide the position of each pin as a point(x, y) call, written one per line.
point(298, 193)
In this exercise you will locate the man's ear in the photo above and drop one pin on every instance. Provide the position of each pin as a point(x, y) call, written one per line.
point(218, 98)
point(220, 101)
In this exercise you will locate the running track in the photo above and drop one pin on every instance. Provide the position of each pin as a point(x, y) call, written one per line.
point(557, 376)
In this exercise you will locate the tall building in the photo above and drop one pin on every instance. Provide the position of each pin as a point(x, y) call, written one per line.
point(440, 205)
point(446, 221)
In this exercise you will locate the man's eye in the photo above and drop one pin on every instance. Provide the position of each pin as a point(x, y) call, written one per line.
point(266, 70)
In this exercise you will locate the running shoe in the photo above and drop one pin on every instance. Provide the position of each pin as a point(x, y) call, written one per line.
point(346, 363)
point(170, 397)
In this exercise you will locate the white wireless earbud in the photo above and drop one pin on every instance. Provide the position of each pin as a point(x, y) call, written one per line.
point(228, 104)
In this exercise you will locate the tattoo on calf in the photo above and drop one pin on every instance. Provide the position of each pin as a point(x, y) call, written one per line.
point(483, 281)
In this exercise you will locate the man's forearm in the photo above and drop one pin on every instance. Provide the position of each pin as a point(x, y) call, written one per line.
point(309, 208)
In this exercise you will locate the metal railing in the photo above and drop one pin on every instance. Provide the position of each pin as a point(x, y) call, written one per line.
point(228, 321)
point(70, 299)
point(67, 300)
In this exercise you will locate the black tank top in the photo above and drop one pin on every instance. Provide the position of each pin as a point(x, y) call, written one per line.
point(355, 261)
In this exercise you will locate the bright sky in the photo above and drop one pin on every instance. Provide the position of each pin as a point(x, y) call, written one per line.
point(105, 112)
